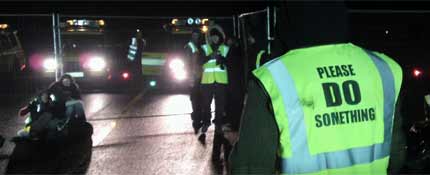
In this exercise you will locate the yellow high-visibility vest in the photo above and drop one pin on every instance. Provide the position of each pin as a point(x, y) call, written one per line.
point(334, 107)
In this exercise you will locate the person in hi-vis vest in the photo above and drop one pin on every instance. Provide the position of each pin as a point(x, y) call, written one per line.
point(193, 51)
point(326, 106)
point(213, 86)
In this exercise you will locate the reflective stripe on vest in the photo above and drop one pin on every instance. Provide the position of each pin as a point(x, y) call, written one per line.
point(223, 49)
point(212, 61)
point(301, 161)
point(192, 47)
point(212, 73)
point(217, 69)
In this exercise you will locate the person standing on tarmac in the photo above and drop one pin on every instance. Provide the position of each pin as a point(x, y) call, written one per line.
point(213, 85)
point(325, 107)
point(193, 52)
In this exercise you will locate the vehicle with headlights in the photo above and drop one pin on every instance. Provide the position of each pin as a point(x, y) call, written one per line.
point(86, 55)
point(162, 70)
point(157, 65)
point(164, 63)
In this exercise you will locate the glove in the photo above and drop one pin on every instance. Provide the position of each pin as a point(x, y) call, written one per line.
point(221, 61)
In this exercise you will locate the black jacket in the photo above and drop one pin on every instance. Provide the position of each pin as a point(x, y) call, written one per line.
point(37, 107)
point(63, 94)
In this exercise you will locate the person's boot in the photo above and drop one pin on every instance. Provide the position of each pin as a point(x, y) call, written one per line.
point(216, 149)
point(196, 127)
point(227, 147)
point(202, 138)
point(1, 141)
point(202, 134)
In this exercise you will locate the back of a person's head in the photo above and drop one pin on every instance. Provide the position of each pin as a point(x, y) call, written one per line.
point(64, 76)
point(312, 23)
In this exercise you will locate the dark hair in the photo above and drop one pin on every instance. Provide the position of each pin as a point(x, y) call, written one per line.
point(73, 82)
point(305, 24)
point(64, 76)
point(40, 93)
point(216, 32)
point(219, 34)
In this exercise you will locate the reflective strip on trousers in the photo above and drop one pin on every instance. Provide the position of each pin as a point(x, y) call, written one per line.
point(301, 161)
point(217, 69)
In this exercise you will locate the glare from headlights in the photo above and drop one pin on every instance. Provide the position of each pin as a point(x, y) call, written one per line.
point(177, 67)
point(180, 75)
point(96, 64)
point(176, 64)
point(49, 64)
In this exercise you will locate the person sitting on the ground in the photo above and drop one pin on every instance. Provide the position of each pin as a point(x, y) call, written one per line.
point(67, 100)
point(40, 110)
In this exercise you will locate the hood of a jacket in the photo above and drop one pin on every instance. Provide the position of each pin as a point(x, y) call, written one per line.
point(307, 24)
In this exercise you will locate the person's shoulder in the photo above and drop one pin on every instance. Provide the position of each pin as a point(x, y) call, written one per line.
point(387, 59)
point(53, 85)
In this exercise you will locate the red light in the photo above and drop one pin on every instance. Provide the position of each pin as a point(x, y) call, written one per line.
point(125, 75)
point(109, 77)
point(417, 72)
point(23, 67)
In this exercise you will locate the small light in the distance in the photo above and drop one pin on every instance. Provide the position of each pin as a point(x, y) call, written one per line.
point(417, 72)
point(125, 75)
point(152, 83)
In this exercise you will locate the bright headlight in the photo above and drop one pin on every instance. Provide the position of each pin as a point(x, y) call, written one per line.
point(180, 75)
point(177, 67)
point(96, 64)
point(49, 64)
point(176, 64)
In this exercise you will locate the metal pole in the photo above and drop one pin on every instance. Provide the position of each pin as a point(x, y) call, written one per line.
point(54, 32)
point(60, 48)
point(238, 26)
point(234, 26)
point(268, 29)
point(271, 22)
point(245, 49)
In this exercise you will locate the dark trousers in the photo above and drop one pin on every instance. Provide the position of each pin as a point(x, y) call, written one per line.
point(196, 101)
point(210, 91)
point(220, 141)
point(217, 91)
point(41, 124)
